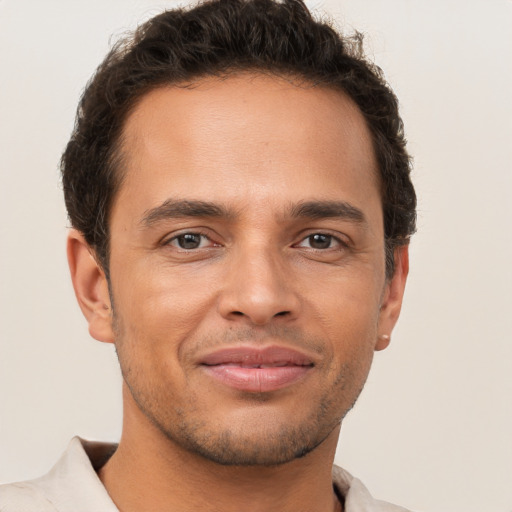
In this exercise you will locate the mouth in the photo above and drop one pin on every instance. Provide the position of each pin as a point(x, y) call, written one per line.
point(257, 370)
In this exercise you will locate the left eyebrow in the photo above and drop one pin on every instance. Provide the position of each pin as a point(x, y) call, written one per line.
point(175, 209)
point(328, 209)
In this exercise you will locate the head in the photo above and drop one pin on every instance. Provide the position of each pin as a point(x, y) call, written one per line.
point(218, 39)
point(239, 186)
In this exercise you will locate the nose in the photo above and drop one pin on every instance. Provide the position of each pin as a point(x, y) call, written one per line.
point(259, 289)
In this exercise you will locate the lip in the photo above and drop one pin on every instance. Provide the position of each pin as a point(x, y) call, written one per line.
point(257, 370)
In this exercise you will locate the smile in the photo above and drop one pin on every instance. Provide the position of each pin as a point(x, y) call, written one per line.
point(257, 370)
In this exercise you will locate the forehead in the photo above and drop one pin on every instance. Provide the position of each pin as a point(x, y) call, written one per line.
point(244, 137)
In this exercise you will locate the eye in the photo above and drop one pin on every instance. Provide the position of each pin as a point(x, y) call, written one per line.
point(320, 241)
point(190, 241)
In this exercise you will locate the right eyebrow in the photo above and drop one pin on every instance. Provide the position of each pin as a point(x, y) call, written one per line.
point(173, 209)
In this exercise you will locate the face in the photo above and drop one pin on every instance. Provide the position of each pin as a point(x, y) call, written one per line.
point(247, 266)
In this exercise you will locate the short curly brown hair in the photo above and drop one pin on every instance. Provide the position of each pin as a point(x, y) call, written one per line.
point(218, 37)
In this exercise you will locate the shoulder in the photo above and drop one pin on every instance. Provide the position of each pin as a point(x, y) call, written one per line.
point(71, 485)
point(24, 497)
point(356, 496)
point(389, 507)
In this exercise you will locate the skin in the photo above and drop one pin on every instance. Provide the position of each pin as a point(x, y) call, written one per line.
point(257, 148)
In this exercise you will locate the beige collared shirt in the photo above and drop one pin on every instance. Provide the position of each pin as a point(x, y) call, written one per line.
point(72, 485)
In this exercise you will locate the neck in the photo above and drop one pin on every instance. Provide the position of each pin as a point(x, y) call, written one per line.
point(150, 472)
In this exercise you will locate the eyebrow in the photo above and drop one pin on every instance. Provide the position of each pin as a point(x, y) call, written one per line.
point(328, 209)
point(173, 209)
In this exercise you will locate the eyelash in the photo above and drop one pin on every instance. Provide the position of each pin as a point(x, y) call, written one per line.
point(175, 238)
point(331, 238)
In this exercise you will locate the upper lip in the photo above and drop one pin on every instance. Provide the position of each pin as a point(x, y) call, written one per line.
point(251, 356)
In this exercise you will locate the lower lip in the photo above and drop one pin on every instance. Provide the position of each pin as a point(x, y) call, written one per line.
point(257, 380)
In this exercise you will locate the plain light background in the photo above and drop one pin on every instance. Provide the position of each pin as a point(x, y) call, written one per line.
point(433, 428)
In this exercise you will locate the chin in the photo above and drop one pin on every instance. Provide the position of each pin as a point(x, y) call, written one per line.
point(262, 448)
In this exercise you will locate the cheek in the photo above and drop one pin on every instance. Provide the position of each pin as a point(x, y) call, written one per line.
point(346, 301)
point(347, 312)
point(158, 308)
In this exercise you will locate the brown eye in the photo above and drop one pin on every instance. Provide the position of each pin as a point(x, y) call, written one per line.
point(189, 241)
point(320, 241)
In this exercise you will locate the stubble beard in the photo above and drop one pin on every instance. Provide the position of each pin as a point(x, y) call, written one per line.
point(237, 446)
point(269, 446)
point(240, 446)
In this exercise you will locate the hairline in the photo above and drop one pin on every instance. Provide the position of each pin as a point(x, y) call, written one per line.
point(117, 157)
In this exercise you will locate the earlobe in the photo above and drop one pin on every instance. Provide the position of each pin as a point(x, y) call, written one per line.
point(383, 340)
point(392, 298)
point(91, 287)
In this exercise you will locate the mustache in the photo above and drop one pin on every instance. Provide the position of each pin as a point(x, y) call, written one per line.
point(294, 337)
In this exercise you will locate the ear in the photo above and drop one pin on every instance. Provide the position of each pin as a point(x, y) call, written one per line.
point(91, 287)
point(392, 297)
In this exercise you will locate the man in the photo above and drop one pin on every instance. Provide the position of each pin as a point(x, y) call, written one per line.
point(239, 191)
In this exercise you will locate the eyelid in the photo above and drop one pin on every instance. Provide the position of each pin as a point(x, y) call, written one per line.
point(342, 240)
point(166, 241)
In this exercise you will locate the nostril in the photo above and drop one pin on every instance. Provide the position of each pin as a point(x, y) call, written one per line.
point(282, 313)
point(238, 313)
